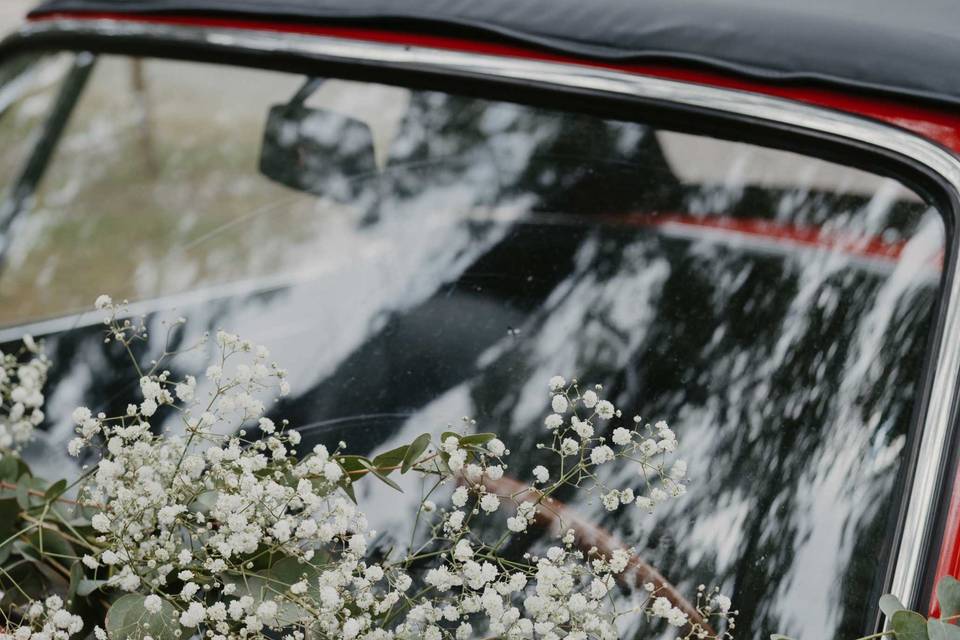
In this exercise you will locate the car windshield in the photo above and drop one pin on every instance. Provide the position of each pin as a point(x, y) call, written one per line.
point(415, 256)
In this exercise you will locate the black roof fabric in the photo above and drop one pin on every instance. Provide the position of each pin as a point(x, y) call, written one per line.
point(910, 48)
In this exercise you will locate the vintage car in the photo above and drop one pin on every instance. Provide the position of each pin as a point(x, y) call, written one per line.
point(738, 216)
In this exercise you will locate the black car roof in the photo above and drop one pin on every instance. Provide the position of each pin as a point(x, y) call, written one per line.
point(903, 47)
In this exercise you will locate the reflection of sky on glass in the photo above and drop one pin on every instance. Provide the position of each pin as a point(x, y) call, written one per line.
point(501, 245)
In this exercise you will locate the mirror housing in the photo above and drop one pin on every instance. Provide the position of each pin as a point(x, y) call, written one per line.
point(318, 151)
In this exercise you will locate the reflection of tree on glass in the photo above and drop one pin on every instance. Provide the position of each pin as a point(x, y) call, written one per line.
point(773, 305)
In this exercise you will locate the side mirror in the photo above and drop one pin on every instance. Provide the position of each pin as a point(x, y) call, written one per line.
point(318, 151)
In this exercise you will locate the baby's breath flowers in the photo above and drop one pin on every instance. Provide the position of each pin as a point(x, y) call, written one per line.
point(209, 531)
point(22, 376)
point(582, 453)
point(47, 620)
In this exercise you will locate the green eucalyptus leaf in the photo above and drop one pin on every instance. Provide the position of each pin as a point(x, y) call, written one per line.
point(9, 468)
point(35, 500)
point(21, 584)
point(275, 581)
point(353, 465)
point(281, 576)
point(414, 451)
point(86, 586)
point(477, 439)
point(55, 491)
point(52, 543)
point(890, 604)
point(9, 510)
point(247, 585)
point(54, 579)
point(76, 575)
point(347, 484)
point(393, 458)
point(288, 571)
point(72, 514)
point(204, 502)
point(23, 493)
point(909, 625)
point(26, 550)
point(369, 466)
point(938, 630)
point(948, 594)
point(12, 468)
point(128, 619)
point(442, 461)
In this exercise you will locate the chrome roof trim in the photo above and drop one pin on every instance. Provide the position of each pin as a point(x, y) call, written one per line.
point(936, 428)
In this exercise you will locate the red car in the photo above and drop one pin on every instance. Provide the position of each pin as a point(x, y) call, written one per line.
point(740, 216)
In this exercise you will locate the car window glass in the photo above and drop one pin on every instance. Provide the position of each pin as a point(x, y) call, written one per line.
point(28, 88)
point(445, 255)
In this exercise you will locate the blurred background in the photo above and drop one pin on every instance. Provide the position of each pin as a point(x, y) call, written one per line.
point(12, 12)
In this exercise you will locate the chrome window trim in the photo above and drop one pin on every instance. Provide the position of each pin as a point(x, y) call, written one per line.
point(925, 483)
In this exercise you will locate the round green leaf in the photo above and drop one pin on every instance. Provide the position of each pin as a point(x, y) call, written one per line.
point(76, 575)
point(86, 586)
point(9, 525)
point(346, 483)
point(31, 584)
point(353, 465)
point(12, 467)
point(49, 542)
point(128, 619)
point(25, 550)
point(477, 439)
point(27, 484)
point(414, 451)
point(392, 458)
point(5, 552)
point(274, 584)
point(9, 468)
point(449, 434)
point(948, 594)
point(204, 502)
point(387, 481)
point(23, 493)
point(938, 630)
point(909, 625)
point(55, 490)
point(890, 604)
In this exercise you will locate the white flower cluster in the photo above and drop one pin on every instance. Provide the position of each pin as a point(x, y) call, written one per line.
point(230, 537)
point(185, 518)
point(46, 620)
point(22, 376)
point(708, 604)
point(566, 592)
point(576, 442)
point(555, 596)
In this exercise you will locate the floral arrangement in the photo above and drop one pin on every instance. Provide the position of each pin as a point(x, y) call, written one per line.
point(224, 529)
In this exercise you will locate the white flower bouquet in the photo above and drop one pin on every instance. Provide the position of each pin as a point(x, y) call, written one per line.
point(224, 529)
